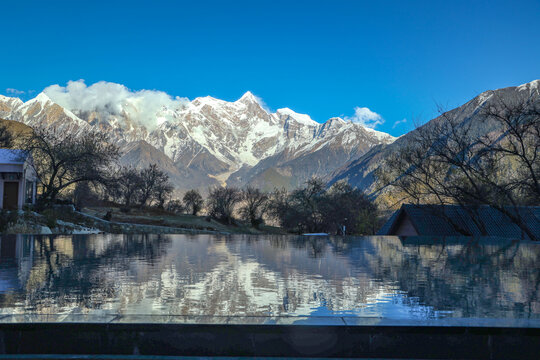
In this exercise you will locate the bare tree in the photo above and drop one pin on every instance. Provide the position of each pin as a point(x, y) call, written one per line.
point(254, 205)
point(154, 185)
point(300, 210)
point(306, 202)
point(162, 192)
point(222, 202)
point(63, 159)
point(348, 210)
point(518, 143)
point(450, 162)
point(193, 201)
point(126, 185)
point(281, 208)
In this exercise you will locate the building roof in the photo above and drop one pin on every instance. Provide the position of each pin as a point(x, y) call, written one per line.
point(455, 220)
point(13, 156)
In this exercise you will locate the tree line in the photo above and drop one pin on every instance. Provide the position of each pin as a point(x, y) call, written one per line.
point(312, 208)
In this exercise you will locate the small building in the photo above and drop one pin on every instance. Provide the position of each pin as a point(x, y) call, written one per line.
point(17, 179)
point(456, 220)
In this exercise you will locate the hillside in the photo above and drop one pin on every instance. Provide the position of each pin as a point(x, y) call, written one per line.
point(360, 172)
point(16, 128)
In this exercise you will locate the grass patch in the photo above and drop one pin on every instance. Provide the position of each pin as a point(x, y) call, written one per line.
point(158, 217)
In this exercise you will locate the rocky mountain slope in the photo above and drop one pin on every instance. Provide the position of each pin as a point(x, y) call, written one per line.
point(360, 172)
point(209, 141)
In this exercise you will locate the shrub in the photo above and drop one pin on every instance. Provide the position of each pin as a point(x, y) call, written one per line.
point(7, 218)
point(256, 223)
point(83, 195)
point(50, 218)
point(175, 206)
point(108, 216)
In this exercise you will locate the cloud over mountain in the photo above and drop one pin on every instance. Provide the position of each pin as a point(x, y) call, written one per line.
point(365, 117)
point(112, 99)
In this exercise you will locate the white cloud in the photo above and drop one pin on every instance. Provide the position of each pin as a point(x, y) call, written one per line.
point(110, 98)
point(402, 121)
point(14, 91)
point(366, 117)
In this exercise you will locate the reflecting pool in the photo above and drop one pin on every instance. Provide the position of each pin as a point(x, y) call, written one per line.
point(242, 275)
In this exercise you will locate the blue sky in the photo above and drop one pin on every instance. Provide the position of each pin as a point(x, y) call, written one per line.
point(398, 58)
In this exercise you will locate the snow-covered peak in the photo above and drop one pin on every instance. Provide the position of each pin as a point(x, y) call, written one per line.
point(535, 84)
point(248, 97)
point(338, 120)
point(207, 100)
point(42, 98)
point(13, 101)
point(301, 118)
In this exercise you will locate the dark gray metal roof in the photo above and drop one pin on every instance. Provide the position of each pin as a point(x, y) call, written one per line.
point(455, 220)
point(385, 229)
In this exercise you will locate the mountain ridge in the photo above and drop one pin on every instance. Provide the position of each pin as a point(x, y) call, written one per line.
point(208, 139)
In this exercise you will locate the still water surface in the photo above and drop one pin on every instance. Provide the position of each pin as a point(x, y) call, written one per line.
point(241, 275)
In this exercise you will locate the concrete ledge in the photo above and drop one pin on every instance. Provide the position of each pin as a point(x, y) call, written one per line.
point(346, 320)
point(426, 342)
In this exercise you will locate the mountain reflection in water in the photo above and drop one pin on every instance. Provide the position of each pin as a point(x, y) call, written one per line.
point(414, 278)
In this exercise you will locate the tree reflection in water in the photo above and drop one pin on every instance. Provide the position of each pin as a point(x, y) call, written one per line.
point(269, 275)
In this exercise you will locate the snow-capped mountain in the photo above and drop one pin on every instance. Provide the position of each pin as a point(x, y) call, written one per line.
point(41, 110)
point(210, 141)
